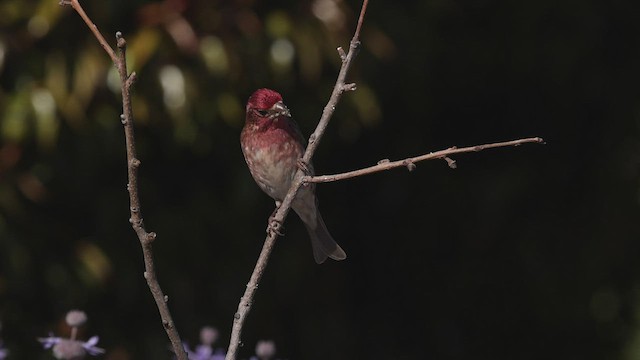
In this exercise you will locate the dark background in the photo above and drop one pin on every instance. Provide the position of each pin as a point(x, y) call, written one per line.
point(520, 253)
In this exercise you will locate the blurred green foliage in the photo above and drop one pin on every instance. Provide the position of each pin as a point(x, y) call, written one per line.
point(519, 253)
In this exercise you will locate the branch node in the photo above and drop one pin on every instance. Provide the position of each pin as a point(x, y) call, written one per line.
point(312, 138)
point(136, 223)
point(135, 162)
point(409, 164)
point(343, 55)
point(131, 79)
point(122, 43)
point(146, 275)
point(452, 163)
point(348, 87)
point(123, 119)
point(134, 209)
point(383, 161)
point(65, 3)
point(236, 316)
point(303, 166)
point(275, 227)
point(166, 298)
point(151, 236)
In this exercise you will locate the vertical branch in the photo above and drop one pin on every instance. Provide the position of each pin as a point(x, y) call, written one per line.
point(340, 87)
point(146, 238)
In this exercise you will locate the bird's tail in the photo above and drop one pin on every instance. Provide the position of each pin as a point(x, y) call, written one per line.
point(322, 243)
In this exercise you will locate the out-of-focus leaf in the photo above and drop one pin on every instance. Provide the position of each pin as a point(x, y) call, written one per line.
point(366, 104)
point(44, 18)
point(15, 122)
point(278, 24)
point(95, 261)
point(91, 66)
point(141, 46)
point(214, 54)
point(46, 120)
point(230, 108)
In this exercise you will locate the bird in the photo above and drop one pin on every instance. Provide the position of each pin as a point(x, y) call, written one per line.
point(273, 146)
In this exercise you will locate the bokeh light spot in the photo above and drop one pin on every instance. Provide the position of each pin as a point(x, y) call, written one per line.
point(38, 26)
point(173, 86)
point(282, 52)
point(214, 54)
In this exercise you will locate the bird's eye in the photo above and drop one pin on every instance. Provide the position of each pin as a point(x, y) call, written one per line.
point(262, 113)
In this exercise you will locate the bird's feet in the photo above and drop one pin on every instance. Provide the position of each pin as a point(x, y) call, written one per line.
point(274, 224)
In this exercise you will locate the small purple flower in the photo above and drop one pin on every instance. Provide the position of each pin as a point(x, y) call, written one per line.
point(3, 352)
point(72, 349)
point(265, 350)
point(205, 351)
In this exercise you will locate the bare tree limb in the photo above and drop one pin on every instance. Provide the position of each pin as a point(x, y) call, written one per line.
point(272, 232)
point(133, 163)
point(410, 162)
point(75, 4)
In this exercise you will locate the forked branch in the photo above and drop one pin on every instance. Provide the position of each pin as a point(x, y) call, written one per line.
point(133, 163)
point(278, 218)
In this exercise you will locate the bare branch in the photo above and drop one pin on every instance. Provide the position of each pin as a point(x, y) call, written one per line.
point(272, 234)
point(75, 4)
point(410, 162)
point(146, 238)
point(133, 163)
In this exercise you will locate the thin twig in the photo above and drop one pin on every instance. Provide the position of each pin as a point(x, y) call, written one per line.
point(410, 162)
point(105, 45)
point(340, 87)
point(133, 163)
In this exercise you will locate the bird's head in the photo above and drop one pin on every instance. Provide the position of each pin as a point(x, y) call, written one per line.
point(265, 104)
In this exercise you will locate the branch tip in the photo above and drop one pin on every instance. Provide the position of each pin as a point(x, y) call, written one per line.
point(131, 79)
point(349, 87)
point(410, 165)
point(452, 163)
point(122, 43)
point(343, 55)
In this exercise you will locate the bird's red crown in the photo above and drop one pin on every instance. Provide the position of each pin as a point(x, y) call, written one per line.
point(263, 99)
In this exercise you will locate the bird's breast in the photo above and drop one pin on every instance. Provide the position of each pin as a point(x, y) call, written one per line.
point(272, 159)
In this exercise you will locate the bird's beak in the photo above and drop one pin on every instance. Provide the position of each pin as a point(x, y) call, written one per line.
point(281, 109)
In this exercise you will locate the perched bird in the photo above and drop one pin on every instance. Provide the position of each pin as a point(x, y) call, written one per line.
point(272, 145)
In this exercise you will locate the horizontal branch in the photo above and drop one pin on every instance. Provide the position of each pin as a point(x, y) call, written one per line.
point(409, 163)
